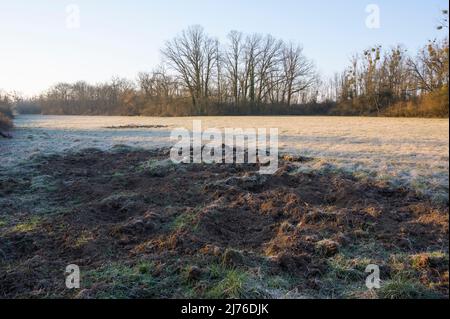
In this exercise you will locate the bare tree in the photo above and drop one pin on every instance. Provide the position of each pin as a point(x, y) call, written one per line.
point(251, 56)
point(233, 56)
point(430, 67)
point(298, 72)
point(268, 60)
point(192, 55)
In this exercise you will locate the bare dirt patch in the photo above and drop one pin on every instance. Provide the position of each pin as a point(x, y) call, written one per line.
point(135, 126)
point(141, 227)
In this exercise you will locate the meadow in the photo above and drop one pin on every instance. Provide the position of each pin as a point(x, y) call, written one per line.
point(101, 193)
point(405, 151)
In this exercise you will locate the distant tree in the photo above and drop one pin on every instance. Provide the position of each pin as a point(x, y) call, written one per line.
point(232, 61)
point(431, 66)
point(193, 56)
point(298, 73)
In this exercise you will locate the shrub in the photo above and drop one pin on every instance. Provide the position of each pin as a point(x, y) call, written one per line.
point(435, 104)
point(26, 107)
point(6, 113)
point(5, 122)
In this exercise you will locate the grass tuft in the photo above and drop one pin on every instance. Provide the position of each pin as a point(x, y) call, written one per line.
point(405, 288)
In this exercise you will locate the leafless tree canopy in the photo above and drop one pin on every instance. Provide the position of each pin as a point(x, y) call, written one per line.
point(259, 74)
point(248, 70)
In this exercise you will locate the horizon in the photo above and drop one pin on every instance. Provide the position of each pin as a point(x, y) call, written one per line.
point(48, 43)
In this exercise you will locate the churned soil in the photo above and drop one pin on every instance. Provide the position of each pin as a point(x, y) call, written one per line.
point(139, 226)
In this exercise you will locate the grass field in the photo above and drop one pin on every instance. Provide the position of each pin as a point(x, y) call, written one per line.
point(412, 152)
point(99, 192)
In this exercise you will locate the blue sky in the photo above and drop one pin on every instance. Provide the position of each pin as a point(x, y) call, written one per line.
point(124, 37)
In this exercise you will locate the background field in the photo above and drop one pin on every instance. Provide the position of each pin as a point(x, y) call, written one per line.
point(412, 152)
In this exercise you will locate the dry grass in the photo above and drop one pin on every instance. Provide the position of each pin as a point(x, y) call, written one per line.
point(5, 122)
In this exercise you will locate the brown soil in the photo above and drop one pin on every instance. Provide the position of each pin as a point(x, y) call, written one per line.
point(126, 127)
point(106, 208)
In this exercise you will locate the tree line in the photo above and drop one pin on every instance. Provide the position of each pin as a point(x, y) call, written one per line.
point(391, 83)
point(251, 74)
point(261, 75)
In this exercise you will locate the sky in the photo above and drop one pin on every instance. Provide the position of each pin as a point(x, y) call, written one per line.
point(43, 42)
